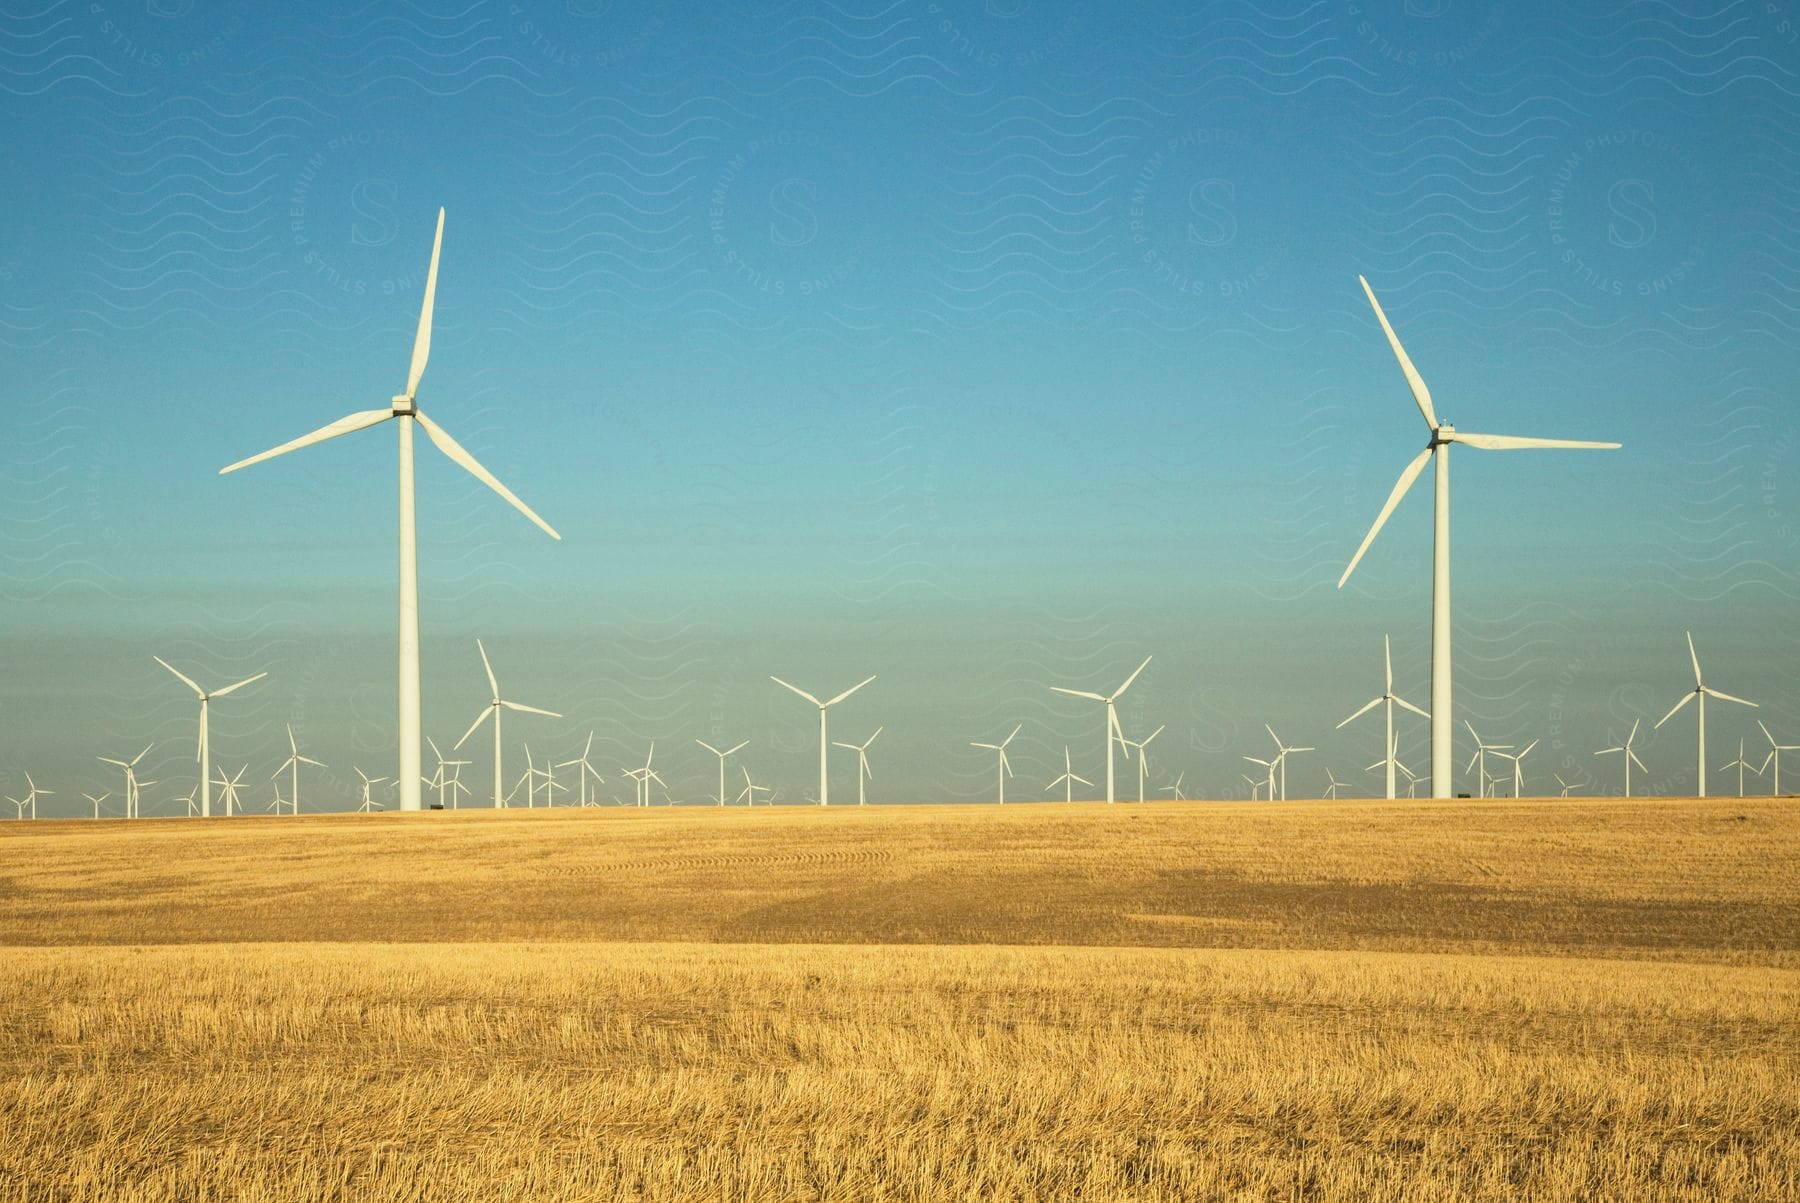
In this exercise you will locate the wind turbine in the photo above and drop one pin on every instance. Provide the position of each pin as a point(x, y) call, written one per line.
point(862, 762)
point(532, 773)
point(1142, 759)
point(1393, 762)
point(721, 755)
point(293, 763)
point(445, 783)
point(132, 784)
point(1702, 691)
point(278, 801)
point(1112, 717)
point(645, 775)
point(97, 801)
point(204, 753)
point(1566, 787)
point(1775, 751)
point(1518, 759)
point(1253, 783)
point(1003, 769)
point(1631, 757)
point(1480, 757)
point(1391, 698)
point(1270, 766)
point(584, 770)
point(1332, 789)
point(1280, 761)
point(493, 708)
point(1740, 764)
point(404, 410)
point(1442, 435)
point(1068, 779)
point(230, 785)
point(189, 802)
point(1173, 789)
point(751, 789)
point(368, 799)
point(824, 740)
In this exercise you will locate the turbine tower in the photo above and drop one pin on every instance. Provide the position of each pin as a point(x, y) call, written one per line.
point(404, 410)
point(1740, 764)
point(1068, 779)
point(1631, 757)
point(1143, 758)
point(1438, 448)
point(862, 762)
point(1112, 717)
point(721, 755)
point(1391, 698)
point(1702, 691)
point(204, 752)
point(824, 739)
point(1003, 769)
point(493, 708)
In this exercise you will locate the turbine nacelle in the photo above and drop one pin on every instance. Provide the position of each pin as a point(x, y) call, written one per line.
point(405, 406)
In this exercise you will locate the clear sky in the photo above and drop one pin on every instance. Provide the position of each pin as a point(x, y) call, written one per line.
point(983, 348)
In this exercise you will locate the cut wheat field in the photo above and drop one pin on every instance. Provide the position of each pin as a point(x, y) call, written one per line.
point(1315, 1001)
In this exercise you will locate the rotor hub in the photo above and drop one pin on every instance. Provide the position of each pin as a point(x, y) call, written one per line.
point(405, 405)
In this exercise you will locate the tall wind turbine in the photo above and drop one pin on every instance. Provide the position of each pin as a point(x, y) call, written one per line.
point(493, 708)
point(824, 739)
point(1480, 758)
point(1775, 751)
point(204, 753)
point(1740, 764)
point(292, 765)
point(1631, 757)
point(1112, 717)
point(404, 410)
point(1391, 698)
point(862, 763)
point(1003, 769)
point(721, 755)
point(1142, 758)
point(132, 784)
point(1068, 779)
point(1442, 435)
point(1702, 691)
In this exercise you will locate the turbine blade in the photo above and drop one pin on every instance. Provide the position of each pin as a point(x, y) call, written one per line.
point(486, 711)
point(1404, 704)
point(492, 684)
point(1372, 704)
point(1387, 660)
point(1635, 760)
point(422, 341)
point(738, 748)
point(344, 425)
point(1414, 381)
point(1021, 727)
point(795, 688)
point(1408, 474)
point(1695, 657)
point(1685, 699)
point(467, 462)
point(1726, 697)
point(524, 709)
point(1766, 734)
point(219, 693)
point(1507, 442)
point(1083, 780)
point(1128, 680)
point(1077, 693)
point(186, 680)
point(840, 697)
point(709, 747)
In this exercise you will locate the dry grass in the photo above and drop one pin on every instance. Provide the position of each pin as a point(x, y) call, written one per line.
point(869, 1053)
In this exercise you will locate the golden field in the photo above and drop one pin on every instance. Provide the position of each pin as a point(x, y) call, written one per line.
point(1332, 1001)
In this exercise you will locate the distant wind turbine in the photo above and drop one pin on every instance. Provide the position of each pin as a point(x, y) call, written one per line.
point(97, 801)
point(204, 751)
point(493, 709)
point(1442, 435)
point(132, 784)
point(230, 785)
point(751, 789)
point(1775, 751)
point(404, 410)
point(1068, 779)
point(1112, 717)
point(1279, 765)
point(1252, 782)
point(1518, 759)
point(1740, 764)
point(1702, 691)
point(862, 763)
point(1630, 756)
point(584, 770)
point(292, 765)
point(737, 747)
point(1566, 787)
point(1270, 766)
point(1143, 759)
point(824, 739)
point(1331, 790)
point(1173, 789)
point(1003, 769)
point(1388, 696)
point(368, 798)
point(1480, 758)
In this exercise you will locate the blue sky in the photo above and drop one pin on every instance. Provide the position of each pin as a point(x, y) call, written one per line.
point(981, 347)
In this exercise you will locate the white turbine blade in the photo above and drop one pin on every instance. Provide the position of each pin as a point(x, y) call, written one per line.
point(1527, 750)
point(422, 342)
point(1404, 704)
point(1635, 760)
point(1005, 764)
point(1634, 730)
point(1254, 760)
point(809, 697)
point(1473, 759)
point(1685, 699)
point(840, 697)
point(1083, 780)
point(1414, 381)
point(143, 754)
point(1150, 736)
point(186, 680)
point(1609, 751)
point(740, 747)
point(871, 739)
point(285, 765)
point(1128, 680)
point(109, 760)
point(1507, 442)
point(492, 684)
point(709, 747)
point(1387, 660)
point(989, 747)
point(1726, 697)
point(1766, 734)
point(1077, 693)
point(1408, 474)
point(486, 712)
point(219, 693)
point(840, 744)
point(311, 761)
point(1694, 656)
point(1021, 727)
point(344, 425)
point(1372, 704)
point(1299, 749)
point(467, 462)
point(524, 709)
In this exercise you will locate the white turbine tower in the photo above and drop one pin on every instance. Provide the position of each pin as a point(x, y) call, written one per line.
point(132, 784)
point(292, 765)
point(230, 785)
point(404, 410)
point(1003, 768)
point(1740, 764)
point(1388, 696)
point(1630, 756)
point(1270, 766)
point(721, 755)
point(204, 751)
point(1480, 758)
point(1142, 758)
point(1112, 717)
point(1442, 435)
point(862, 762)
point(1775, 751)
point(493, 709)
point(1702, 691)
point(824, 739)
point(584, 770)
point(1068, 779)
point(97, 800)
